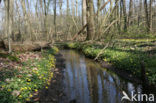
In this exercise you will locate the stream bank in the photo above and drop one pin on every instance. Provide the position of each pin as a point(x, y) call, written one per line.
point(86, 81)
point(54, 92)
point(125, 62)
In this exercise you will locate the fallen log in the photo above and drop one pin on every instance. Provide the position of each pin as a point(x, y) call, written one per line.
point(40, 47)
point(36, 46)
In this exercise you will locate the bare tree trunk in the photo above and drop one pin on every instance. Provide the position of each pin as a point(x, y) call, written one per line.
point(84, 12)
point(67, 8)
point(121, 14)
point(8, 24)
point(139, 12)
point(55, 19)
point(125, 15)
point(130, 12)
point(98, 19)
point(150, 15)
point(60, 5)
point(76, 8)
point(19, 36)
point(98, 10)
point(73, 7)
point(12, 19)
point(28, 28)
point(45, 14)
point(147, 16)
point(90, 20)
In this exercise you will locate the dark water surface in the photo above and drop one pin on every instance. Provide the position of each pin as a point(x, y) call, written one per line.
point(87, 82)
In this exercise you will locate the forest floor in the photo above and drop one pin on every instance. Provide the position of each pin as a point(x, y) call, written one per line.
point(124, 54)
point(25, 75)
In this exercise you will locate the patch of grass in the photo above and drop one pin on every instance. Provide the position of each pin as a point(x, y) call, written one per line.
point(19, 85)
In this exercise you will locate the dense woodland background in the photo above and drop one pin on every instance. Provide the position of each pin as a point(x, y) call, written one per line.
point(59, 20)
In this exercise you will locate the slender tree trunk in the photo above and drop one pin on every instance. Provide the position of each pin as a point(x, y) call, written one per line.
point(150, 14)
point(98, 10)
point(84, 12)
point(19, 36)
point(8, 24)
point(76, 8)
point(60, 5)
point(125, 15)
point(55, 19)
point(139, 12)
point(90, 20)
point(67, 8)
point(130, 12)
point(73, 7)
point(147, 16)
point(98, 19)
point(45, 19)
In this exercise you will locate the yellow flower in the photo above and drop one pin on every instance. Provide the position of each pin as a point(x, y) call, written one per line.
point(31, 95)
point(36, 72)
point(46, 87)
point(25, 88)
point(22, 89)
point(36, 90)
point(29, 88)
point(9, 90)
point(29, 80)
point(48, 83)
point(105, 59)
point(27, 99)
point(20, 96)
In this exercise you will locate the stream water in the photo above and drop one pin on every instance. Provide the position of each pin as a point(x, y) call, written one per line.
point(85, 81)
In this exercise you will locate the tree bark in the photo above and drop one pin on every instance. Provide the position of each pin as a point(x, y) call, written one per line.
point(8, 24)
point(125, 15)
point(147, 16)
point(83, 28)
point(98, 11)
point(90, 20)
point(130, 11)
point(84, 12)
point(150, 14)
point(55, 19)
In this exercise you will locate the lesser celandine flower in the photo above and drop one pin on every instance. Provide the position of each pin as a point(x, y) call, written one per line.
point(29, 88)
point(28, 99)
point(20, 96)
point(36, 90)
point(30, 95)
point(9, 90)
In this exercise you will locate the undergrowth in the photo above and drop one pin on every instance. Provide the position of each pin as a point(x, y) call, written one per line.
point(19, 84)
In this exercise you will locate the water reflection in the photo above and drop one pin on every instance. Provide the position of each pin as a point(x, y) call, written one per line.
point(86, 82)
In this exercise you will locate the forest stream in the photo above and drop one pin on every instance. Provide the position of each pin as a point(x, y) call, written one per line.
point(85, 81)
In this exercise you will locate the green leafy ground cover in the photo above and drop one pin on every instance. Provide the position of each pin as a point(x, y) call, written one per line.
point(18, 83)
point(125, 54)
